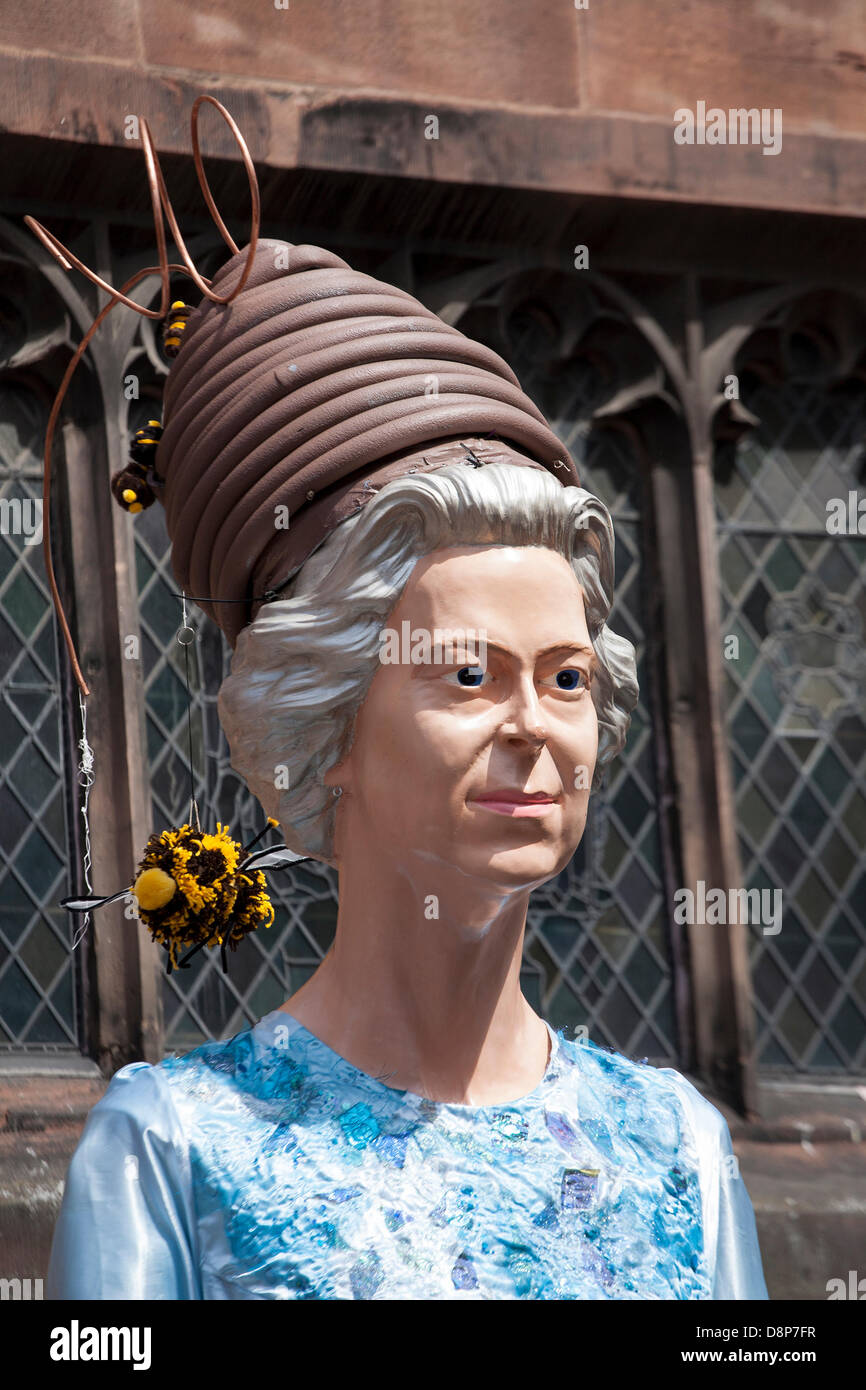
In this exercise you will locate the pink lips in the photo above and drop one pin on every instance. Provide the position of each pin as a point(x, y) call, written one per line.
point(516, 803)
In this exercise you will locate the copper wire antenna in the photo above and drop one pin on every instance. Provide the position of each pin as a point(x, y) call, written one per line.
point(162, 210)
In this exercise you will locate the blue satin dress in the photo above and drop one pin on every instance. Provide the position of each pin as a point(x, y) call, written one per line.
point(270, 1167)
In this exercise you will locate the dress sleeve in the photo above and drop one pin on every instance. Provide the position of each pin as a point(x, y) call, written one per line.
point(126, 1227)
point(730, 1234)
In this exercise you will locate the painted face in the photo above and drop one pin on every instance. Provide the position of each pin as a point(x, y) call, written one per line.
point(484, 770)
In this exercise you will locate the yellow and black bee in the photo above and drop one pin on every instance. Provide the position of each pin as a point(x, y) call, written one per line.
point(195, 889)
point(172, 331)
point(131, 485)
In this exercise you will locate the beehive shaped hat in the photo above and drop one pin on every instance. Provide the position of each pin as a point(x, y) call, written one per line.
point(288, 407)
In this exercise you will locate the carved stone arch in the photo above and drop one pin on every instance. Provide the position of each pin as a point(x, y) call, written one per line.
point(20, 244)
point(578, 302)
point(821, 326)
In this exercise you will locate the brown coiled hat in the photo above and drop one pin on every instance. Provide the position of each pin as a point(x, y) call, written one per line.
point(288, 408)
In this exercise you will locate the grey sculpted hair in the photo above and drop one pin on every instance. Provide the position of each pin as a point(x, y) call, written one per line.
point(302, 668)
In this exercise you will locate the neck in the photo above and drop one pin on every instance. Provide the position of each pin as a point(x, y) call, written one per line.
point(421, 987)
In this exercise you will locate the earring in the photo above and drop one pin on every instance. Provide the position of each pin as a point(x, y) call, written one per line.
point(336, 791)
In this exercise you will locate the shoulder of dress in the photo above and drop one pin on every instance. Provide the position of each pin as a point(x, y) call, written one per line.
point(214, 1067)
point(136, 1099)
point(642, 1083)
point(134, 1080)
point(161, 1097)
point(705, 1116)
point(138, 1080)
point(600, 1061)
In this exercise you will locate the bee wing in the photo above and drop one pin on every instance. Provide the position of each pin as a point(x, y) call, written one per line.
point(277, 857)
point(88, 904)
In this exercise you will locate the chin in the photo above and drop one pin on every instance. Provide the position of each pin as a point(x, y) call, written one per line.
point(524, 866)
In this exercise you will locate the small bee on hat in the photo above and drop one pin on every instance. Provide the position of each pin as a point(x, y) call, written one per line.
point(172, 329)
point(131, 485)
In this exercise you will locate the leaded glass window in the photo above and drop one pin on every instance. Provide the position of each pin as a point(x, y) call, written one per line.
point(38, 980)
point(793, 595)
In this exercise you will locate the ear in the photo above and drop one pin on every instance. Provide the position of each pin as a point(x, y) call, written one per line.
point(337, 775)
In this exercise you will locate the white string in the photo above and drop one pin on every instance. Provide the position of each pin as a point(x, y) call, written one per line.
point(85, 779)
point(193, 804)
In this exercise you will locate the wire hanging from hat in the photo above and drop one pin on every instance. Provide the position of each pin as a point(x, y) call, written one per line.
point(185, 636)
point(85, 779)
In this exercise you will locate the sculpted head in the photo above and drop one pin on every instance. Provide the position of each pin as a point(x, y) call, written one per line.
point(525, 690)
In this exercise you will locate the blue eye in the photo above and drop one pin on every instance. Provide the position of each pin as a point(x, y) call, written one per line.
point(570, 677)
point(474, 676)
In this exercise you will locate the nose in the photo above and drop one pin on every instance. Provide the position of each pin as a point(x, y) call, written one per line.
point(524, 719)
